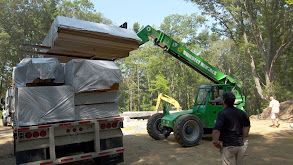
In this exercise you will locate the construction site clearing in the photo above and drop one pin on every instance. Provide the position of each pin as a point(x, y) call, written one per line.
point(90, 122)
point(267, 145)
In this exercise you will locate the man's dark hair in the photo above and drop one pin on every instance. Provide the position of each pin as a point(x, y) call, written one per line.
point(229, 98)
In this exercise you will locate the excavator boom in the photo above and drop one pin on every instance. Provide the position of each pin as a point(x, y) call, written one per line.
point(168, 99)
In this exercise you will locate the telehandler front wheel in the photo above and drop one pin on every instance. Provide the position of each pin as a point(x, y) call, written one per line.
point(155, 129)
point(188, 130)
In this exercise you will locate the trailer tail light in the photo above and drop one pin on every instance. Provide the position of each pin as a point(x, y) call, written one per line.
point(74, 129)
point(46, 163)
point(109, 125)
point(28, 135)
point(68, 130)
point(43, 133)
point(80, 129)
point(103, 126)
point(114, 125)
point(65, 160)
point(36, 134)
point(86, 156)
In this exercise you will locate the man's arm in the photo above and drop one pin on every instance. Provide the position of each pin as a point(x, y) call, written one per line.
point(216, 136)
point(217, 100)
point(269, 110)
point(245, 131)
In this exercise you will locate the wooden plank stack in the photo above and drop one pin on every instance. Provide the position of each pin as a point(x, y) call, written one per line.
point(69, 38)
point(96, 84)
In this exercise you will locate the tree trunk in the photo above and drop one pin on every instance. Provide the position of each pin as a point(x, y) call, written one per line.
point(130, 94)
point(138, 89)
point(151, 93)
point(253, 70)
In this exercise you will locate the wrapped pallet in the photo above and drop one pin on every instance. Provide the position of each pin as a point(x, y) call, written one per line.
point(94, 105)
point(95, 111)
point(92, 75)
point(71, 38)
point(42, 105)
point(96, 98)
point(34, 70)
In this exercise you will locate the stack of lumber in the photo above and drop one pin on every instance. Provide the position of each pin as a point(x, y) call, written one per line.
point(70, 38)
point(40, 96)
point(44, 104)
point(96, 84)
point(38, 72)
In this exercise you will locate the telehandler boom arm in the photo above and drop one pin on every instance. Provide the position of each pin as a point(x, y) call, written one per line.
point(185, 55)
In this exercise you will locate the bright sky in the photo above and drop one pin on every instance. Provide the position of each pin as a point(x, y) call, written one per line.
point(145, 12)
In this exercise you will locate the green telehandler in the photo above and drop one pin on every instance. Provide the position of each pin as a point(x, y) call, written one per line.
point(189, 125)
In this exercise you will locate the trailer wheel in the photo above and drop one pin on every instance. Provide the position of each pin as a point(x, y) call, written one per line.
point(4, 121)
point(155, 129)
point(188, 130)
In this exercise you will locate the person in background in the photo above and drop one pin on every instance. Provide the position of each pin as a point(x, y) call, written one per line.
point(274, 108)
point(218, 99)
point(231, 126)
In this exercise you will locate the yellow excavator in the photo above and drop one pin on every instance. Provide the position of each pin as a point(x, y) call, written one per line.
point(168, 99)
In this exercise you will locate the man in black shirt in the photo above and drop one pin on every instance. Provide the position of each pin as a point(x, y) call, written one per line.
point(231, 126)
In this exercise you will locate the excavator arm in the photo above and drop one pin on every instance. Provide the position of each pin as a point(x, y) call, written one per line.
point(185, 55)
point(168, 99)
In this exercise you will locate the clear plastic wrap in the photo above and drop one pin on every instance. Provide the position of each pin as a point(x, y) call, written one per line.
point(96, 97)
point(80, 25)
point(91, 75)
point(46, 104)
point(96, 111)
point(30, 69)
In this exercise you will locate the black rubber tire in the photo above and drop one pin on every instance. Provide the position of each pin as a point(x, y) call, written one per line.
point(155, 129)
point(188, 130)
point(4, 121)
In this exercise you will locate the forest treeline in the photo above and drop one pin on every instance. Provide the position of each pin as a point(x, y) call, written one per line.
point(250, 41)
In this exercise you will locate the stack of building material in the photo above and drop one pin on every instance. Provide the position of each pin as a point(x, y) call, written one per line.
point(70, 38)
point(38, 72)
point(39, 98)
point(45, 104)
point(95, 83)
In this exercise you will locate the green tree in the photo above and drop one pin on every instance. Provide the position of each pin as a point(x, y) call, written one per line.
point(262, 30)
point(149, 71)
point(27, 22)
point(136, 27)
point(81, 9)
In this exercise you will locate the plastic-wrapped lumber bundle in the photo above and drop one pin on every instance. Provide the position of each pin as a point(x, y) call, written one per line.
point(96, 98)
point(38, 71)
point(92, 75)
point(94, 105)
point(42, 105)
point(95, 111)
point(96, 85)
point(70, 38)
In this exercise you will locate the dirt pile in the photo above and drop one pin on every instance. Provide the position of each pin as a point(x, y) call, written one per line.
point(286, 112)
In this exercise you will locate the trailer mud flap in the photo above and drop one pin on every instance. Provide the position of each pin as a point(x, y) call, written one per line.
point(32, 155)
point(111, 143)
point(110, 159)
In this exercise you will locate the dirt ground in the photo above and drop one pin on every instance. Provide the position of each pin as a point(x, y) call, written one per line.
point(267, 145)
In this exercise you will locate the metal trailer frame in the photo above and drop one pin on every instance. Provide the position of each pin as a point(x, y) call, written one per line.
point(40, 144)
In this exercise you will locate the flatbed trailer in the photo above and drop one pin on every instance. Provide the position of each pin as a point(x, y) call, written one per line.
point(58, 143)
